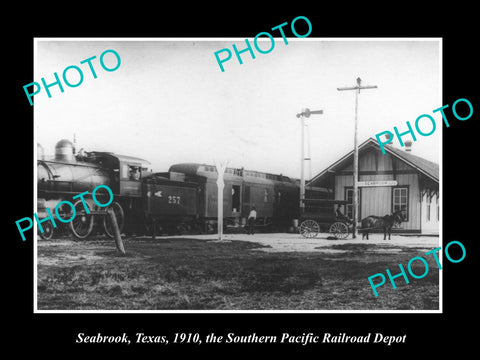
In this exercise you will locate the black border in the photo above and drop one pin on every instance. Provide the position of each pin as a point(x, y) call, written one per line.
point(426, 333)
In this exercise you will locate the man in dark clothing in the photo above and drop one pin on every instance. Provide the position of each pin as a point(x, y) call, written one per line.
point(251, 220)
point(340, 216)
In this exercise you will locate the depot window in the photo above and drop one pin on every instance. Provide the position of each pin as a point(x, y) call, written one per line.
point(349, 206)
point(400, 200)
point(429, 203)
point(438, 207)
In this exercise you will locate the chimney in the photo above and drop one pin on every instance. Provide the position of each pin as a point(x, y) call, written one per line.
point(388, 137)
point(408, 146)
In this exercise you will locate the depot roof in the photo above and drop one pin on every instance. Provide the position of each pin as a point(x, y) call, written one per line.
point(424, 166)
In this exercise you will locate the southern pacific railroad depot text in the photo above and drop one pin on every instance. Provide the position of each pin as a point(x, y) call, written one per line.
point(306, 338)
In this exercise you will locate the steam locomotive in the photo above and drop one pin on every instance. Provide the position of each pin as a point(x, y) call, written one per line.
point(182, 200)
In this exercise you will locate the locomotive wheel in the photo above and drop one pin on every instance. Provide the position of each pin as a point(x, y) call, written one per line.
point(309, 228)
point(82, 225)
point(47, 231)
point(119, 214)
point(339, 230)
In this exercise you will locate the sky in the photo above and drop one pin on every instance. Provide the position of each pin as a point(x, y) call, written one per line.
point(169, 102)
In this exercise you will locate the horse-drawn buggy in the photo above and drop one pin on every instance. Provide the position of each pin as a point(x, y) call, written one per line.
point(324, 215)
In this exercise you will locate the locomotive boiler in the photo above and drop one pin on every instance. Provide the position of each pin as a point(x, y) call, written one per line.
point(143, 201)
point(63, 177)
point(68, 174)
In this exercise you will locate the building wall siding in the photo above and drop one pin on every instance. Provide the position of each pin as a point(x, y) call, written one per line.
point(378, 200)
point(430, 226)
point(414, 204)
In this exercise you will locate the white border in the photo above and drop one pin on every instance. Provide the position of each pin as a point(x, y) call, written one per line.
point(35, 255)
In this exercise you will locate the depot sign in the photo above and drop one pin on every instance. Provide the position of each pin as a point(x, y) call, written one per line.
point(372, 183)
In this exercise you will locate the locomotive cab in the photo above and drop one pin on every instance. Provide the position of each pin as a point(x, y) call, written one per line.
point(127, 172)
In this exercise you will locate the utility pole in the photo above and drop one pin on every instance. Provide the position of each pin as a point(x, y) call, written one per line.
point(355, 151)
point(304, 114)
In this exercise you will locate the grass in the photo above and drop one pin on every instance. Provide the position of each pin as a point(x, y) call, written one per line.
point(189, 274)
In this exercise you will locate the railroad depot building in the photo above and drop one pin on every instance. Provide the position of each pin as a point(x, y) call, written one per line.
point(395, 181)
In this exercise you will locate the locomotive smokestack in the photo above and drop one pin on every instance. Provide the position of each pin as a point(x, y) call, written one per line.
point(388, 138)
point(64, 151)
point(408, 146)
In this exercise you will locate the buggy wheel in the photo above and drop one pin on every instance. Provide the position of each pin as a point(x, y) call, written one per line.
point(309, 228)
point(339, 230)
point(47, 231)
point(82, 225)
point(107, 222)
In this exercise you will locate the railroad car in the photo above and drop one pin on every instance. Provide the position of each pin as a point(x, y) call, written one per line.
point(180, 200)
point(275, 197)
point(168, 205)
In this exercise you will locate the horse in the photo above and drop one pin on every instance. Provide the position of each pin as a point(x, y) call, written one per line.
point(386, 222)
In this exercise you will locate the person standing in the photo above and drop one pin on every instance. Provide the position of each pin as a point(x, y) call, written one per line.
point(251, 220)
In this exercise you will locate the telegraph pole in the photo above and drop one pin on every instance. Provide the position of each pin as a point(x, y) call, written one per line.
point(304, 114)
point(355, 151)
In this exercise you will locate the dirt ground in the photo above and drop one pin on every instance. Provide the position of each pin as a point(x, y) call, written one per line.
point(242, 272)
